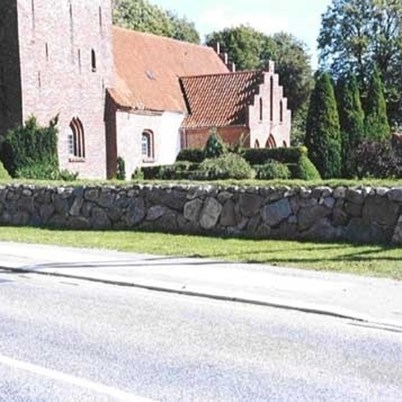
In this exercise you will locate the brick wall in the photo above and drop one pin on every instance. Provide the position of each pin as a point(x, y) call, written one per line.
point(198, 137)
point(56, 72)
point(276, 118)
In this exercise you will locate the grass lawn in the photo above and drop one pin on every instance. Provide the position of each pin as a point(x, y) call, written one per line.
point(356, 259)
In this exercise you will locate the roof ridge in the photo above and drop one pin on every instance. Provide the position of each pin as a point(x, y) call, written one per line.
point(231, 73)
point(160, 37)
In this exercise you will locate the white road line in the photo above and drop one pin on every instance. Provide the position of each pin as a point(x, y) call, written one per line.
point(71, 380)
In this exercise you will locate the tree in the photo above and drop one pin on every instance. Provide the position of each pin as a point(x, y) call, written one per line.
point(323, 132)
point(377, 127)
point(142, 16)
point(356, 36)
point(251, 49)
point(244, 45)
point(351, 119)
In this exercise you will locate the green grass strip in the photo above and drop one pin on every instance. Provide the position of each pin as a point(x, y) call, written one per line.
point(337, 257)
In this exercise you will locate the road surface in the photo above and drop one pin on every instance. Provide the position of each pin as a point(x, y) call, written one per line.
point(70, 340)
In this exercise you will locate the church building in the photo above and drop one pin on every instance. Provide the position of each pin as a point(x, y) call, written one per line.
point(121, 93)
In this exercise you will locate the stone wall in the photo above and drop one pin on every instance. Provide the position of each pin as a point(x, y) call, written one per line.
point(370, 215)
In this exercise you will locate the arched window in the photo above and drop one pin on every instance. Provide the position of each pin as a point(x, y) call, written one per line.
point(257, 144)
point(271, 101)
point(147, 144)
point(93, 60)
point(261, 109)
point(271, 143)
point(76, 140)
point(281, 111)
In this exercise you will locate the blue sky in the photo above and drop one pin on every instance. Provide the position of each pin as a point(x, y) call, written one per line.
point(299, 17)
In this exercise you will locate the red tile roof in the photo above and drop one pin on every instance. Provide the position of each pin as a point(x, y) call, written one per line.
point(148, 68)
point(221, 99)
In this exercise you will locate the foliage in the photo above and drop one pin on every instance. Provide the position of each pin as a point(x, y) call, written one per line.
point(181, 170)
point(143, 16)
point(121, 169)
point(378, 160)
point(351, 119)
point(31, 149)
point(227, 166)
point(3, 173)
point(138, 174)
point(272, 169)
point(323, 132)
point(39, 171)
point(259, 156)
point(191, 155)
point(304, 170)
point(356, 36)
point(295, 158)
point(215, 147)
point(251, 49)
point(298, 128)
point(377, 127)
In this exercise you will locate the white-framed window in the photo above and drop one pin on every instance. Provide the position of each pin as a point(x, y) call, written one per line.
point(147, 144)
point(76, 139)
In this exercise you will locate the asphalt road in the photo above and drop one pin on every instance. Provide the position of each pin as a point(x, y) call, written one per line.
point(64, 340)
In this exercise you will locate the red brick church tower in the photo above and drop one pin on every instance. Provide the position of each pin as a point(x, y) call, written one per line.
point(56, 58)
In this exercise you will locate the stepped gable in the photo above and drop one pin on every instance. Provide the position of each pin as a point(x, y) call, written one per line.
point(220, 100)
point(148, 68)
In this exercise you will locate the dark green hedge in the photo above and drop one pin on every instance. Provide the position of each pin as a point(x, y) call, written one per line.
point(182, 170)
point(195, 155)
point(260, 156)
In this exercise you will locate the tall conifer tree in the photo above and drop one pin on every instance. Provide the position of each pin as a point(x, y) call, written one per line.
point(323, 134)
point(377, 126)
point(351, 119)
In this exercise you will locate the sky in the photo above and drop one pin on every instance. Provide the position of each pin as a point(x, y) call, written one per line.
point(302, 18)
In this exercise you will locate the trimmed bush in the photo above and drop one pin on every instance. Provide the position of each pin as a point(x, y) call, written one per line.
point(179, 171)
point(31, 150)
point(304, 169)
point(121, 169)
point(3, 173)
point(195, 155)
point(260, 156)
point(229, 166)
point(272, 170)
point(44, 172)
point(215, 146)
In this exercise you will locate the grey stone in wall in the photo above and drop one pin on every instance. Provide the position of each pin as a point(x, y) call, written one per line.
point(275, 213)
point(210, 213)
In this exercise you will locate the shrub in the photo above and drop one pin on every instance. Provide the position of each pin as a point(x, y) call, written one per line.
point(195, 155)
point(304, 169)
point(31, 149)
point(138, 174)
point(272, 170)
point(377, 159)
point(121, 169)
point(178, 171)
point(3, 173)
point(215, 146)
point(259, 156)
point(323, 138)
point(228, 166)
point(44, 172)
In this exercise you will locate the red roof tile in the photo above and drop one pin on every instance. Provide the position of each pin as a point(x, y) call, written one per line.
point(221, 99)
point(148, 68)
